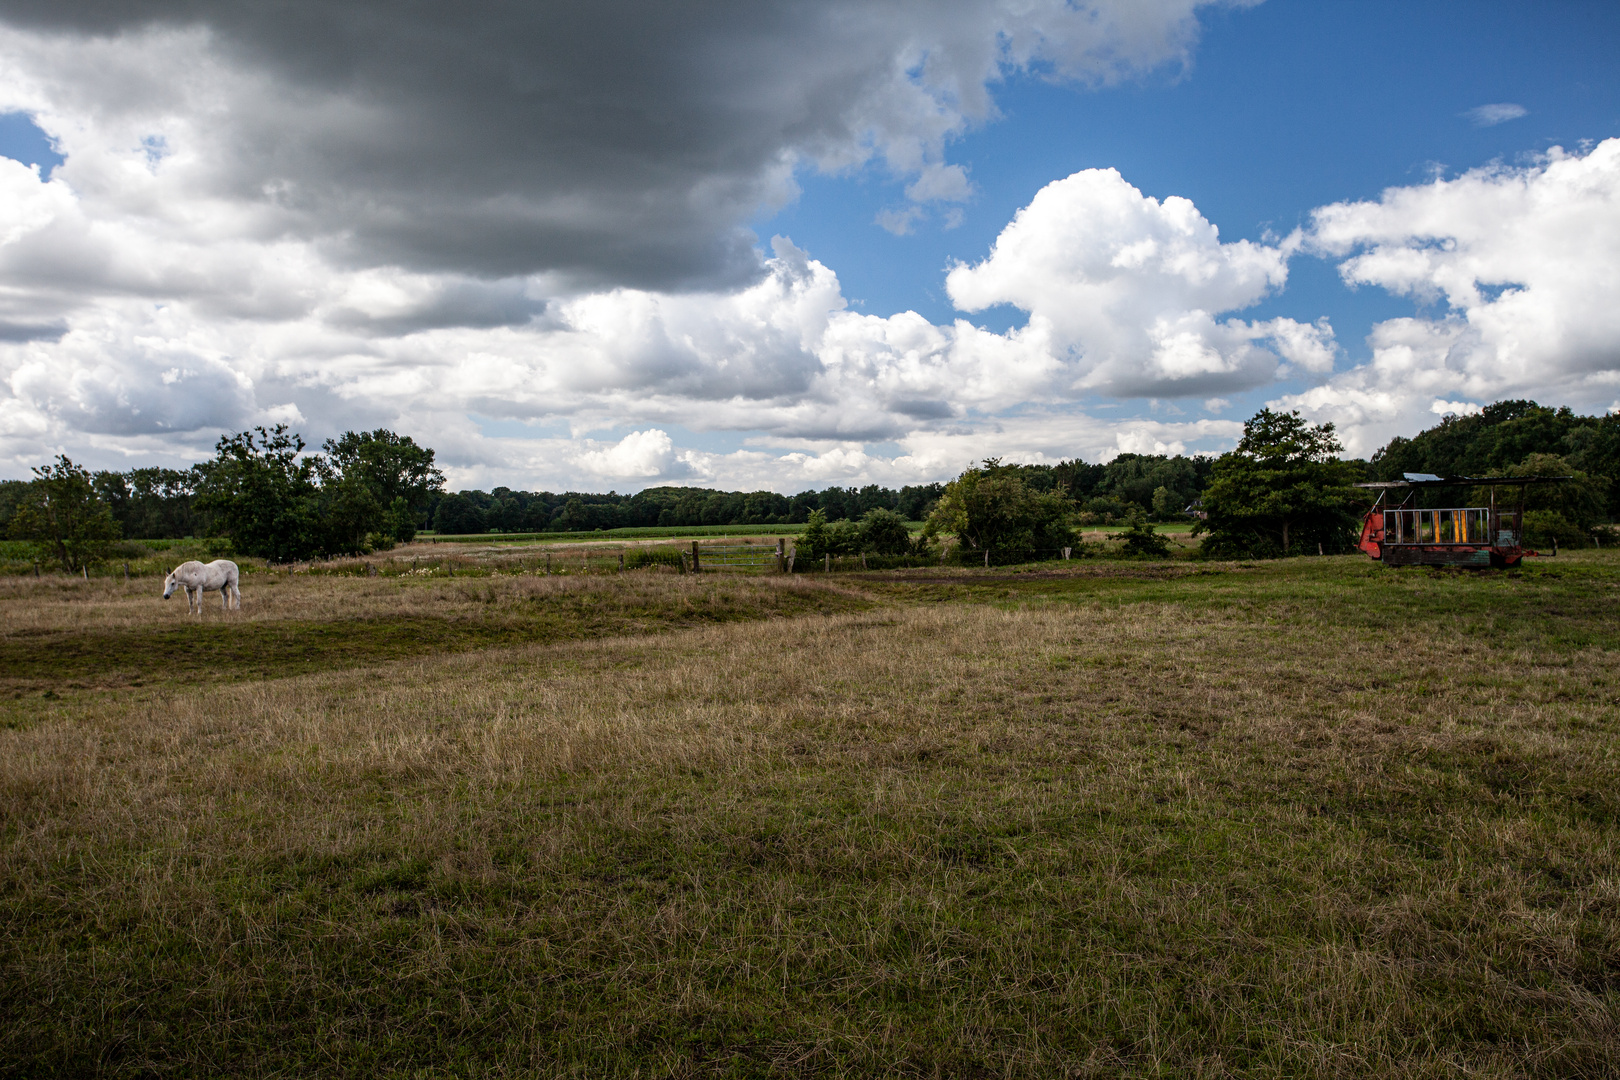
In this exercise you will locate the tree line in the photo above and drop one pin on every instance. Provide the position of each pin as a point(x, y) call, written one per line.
point(1282, 490)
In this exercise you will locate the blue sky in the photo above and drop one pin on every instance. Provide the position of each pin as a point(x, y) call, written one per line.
point(1286, 107)
point(566, 277)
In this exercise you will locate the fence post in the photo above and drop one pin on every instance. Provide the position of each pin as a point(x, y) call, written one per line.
point(126, 571)
point(85, 569)
point(1066, 554)
point(696, 569)
point(621, 562)
point(36, 569)
point(987, 558)
point(548, 562)
point(826, 562)
point(781, 555)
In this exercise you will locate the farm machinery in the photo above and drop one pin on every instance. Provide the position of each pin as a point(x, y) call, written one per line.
point(1404, 534)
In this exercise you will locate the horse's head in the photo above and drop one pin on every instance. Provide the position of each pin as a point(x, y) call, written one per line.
point(170, 584)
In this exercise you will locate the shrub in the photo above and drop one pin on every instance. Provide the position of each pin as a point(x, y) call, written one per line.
point(1543, 527)
point(884, 532)
point(1143, 541)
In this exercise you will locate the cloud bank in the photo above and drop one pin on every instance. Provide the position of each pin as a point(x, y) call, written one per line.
point(620, 142)
point(1518, 269)
point(517, 234)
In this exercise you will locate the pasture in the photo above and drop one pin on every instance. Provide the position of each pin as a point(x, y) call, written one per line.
point(1312, 818)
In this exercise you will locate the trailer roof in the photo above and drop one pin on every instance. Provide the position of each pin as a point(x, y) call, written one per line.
point(1430, 480)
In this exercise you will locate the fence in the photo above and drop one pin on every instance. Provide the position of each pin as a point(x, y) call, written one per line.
point(739, 556)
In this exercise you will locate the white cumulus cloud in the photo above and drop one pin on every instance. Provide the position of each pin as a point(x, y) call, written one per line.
point(1129, 292)
point(1520, 265)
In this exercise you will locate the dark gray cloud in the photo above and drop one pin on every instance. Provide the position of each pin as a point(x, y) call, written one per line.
point(616, 142)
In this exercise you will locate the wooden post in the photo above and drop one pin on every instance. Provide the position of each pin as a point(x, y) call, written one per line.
point(1319, 547)
point(36, 569)
point(621, 562)
point(987, 558)
point(696, 568)
point(826, 563)
point(1066, 554)
point(126, 571)
point(85, 569)
point(548, 562)
point(781, 555)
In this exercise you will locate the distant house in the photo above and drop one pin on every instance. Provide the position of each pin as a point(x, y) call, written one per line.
point(1195, 509)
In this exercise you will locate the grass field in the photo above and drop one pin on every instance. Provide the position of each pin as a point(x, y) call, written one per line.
point(1311, 818)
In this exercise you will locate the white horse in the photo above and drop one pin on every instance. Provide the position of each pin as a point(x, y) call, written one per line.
point(220, 575)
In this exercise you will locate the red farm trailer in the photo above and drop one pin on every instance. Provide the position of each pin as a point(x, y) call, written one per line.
point(1403, 534)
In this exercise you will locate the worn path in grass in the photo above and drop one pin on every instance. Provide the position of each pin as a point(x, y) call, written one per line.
point(1303, 819)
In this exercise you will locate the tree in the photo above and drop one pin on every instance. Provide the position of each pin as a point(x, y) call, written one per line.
point(265, 495)
point(1281, 490)
point(60, 511)
point(392, 467)
point(154, 503)
point(992, 508)
point(1565, 512)
point(458, 514)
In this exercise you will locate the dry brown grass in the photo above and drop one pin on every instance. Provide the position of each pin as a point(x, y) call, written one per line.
point(57, 602)
point(1070, 838)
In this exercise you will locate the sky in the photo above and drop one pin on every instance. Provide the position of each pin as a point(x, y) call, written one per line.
point(786, 245)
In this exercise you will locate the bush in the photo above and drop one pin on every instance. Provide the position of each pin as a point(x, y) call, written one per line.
point(884, 532)
point(1543, 527)
point(820, 539)
point(1142, 541)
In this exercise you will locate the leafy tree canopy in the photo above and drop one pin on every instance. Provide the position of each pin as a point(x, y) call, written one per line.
point(61, 513)
point(264, 494)
point(1281, 492)
point(992, 508)
point(1503, 435)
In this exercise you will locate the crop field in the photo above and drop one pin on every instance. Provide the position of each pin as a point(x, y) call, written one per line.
point(1310, 818)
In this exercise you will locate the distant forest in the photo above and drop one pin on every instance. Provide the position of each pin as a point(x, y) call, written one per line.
point(1514, 436)
point(163, 503)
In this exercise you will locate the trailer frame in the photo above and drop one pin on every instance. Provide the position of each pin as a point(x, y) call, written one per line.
point(1474, 537)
